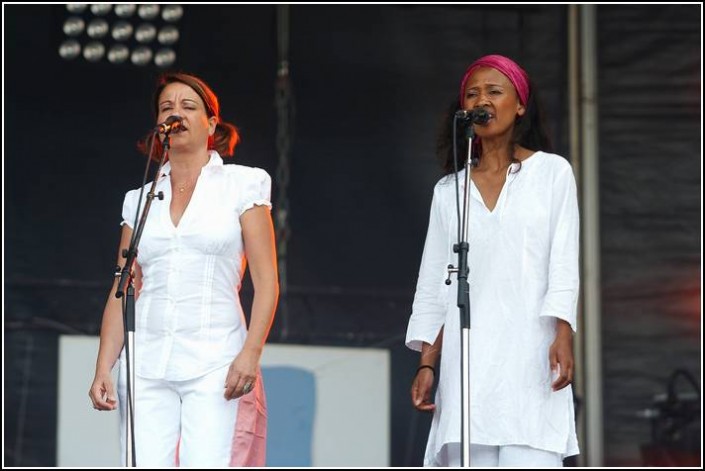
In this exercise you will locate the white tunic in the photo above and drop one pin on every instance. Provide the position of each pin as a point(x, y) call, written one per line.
point(524, 273)
point(189, 320)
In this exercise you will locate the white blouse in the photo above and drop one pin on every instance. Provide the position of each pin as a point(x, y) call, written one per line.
point(189, 320)
point(524, 273)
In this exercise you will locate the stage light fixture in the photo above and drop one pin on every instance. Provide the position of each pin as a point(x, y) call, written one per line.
point(148, 12)
point(70, 49)
point(74, 26)
point(144, 33)
point(122, 30)
point(141, 56)
point(97, 28)
point(94, 51)
point(101, 9)
point(168, 35)
point(165, 57)
point(125, 10)
point(118, 54)
point(172, 13)
point(76, 7)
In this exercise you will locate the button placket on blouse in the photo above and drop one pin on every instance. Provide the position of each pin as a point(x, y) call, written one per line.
point(172, 280)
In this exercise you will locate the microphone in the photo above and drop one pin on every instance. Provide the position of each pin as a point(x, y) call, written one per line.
point(475, 115)
point(171, 124)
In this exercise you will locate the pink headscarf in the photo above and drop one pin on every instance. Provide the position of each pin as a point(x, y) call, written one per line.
point(508, 67)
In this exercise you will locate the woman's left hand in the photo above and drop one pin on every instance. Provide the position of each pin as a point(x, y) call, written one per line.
point(560, 355)
point(242, 374)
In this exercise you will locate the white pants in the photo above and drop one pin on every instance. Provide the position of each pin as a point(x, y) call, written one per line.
point(516, 456)
point(190, 416)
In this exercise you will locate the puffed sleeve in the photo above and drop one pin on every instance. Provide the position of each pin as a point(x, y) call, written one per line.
point(429, 309)
point(561, 298)
point(257, 190)
point(128, 209)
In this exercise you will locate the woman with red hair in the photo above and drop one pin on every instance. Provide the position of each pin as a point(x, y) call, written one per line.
point(199, 399)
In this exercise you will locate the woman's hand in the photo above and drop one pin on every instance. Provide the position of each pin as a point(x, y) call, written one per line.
point(421, 390)
point(560, 355)
point(102, 392)
point(242, 374)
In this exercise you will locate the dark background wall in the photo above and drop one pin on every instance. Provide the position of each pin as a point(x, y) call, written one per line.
point(650, 84)
point(370, 85)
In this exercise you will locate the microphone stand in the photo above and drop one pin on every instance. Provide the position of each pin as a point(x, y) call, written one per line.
point(128, 305)
point(461, 248)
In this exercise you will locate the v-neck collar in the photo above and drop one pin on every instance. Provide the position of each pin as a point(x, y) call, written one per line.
point(214, 161)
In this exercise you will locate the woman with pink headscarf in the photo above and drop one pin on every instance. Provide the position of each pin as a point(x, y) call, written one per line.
point(524, 282)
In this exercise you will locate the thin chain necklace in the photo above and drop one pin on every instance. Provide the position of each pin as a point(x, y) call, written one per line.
point(187, 185)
